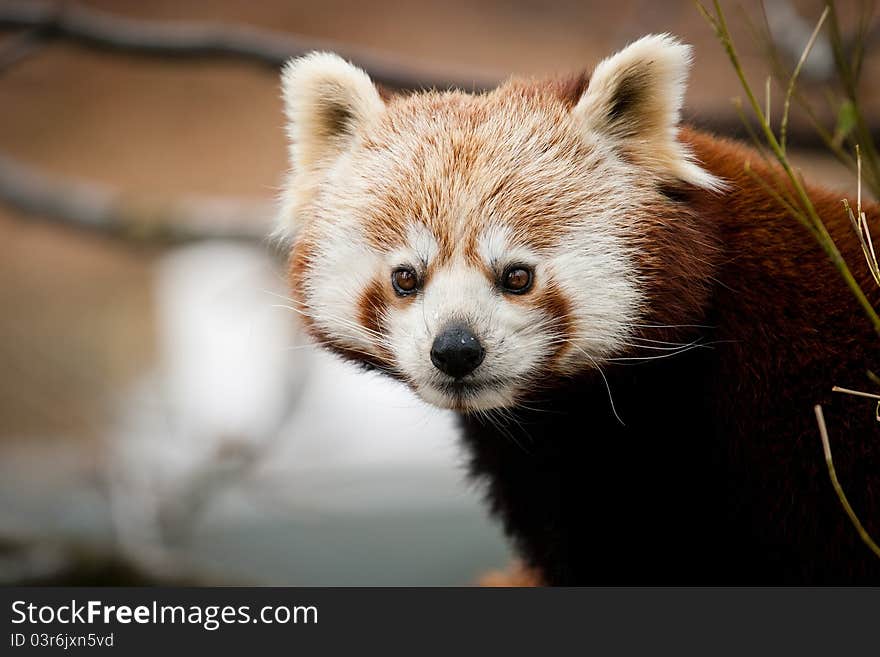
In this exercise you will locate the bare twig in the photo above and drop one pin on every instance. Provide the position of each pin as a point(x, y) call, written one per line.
point(107, 210)
point(848, 73)
point(826, 446)
point(832, 139)
point(857, 393)
point(805, 211)
point(859, 222)
point(200, 39)
point(783, 129)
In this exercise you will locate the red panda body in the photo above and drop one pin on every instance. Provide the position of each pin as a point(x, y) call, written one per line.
point(714, 471)
point(633, 332)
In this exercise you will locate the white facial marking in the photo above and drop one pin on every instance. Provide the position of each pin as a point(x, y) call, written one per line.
point(497, 248)
point(419, 249)
point(461, 293)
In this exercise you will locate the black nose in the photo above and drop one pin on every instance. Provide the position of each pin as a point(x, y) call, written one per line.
point(456, 351)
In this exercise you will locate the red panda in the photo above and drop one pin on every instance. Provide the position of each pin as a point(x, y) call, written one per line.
point(632, 331)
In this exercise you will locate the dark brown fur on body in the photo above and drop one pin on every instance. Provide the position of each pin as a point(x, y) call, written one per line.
point(716, 474)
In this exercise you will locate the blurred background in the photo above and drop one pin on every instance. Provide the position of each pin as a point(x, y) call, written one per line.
point(162, 418)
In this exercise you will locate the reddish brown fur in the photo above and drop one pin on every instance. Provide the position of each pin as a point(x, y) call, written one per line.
point(791, 328)
point(552, 300)
point(516, 575)
point(538, 214)
point(756, 233)
point(372, 305)
point(783, 324)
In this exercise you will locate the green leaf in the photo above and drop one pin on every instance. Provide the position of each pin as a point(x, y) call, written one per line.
point(846, 121)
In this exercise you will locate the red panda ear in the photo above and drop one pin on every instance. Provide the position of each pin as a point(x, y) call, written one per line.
point(634, 99)
point(326, 100)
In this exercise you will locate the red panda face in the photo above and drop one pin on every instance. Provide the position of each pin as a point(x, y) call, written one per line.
point(476, 246)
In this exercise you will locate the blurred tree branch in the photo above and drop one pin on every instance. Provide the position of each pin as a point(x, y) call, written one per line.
point(205, 39)
point(20, 46)
point(107, 210)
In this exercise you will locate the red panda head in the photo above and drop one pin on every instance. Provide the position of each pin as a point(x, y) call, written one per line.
point(476, 246)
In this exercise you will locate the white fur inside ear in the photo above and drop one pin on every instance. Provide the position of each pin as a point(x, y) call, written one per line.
point(634, 99)
point(328, 102)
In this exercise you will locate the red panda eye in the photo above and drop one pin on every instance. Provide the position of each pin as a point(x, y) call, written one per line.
point(404, 281)
point(517, 279)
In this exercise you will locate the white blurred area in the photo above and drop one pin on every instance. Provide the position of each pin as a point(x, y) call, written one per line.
point(249, 456)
